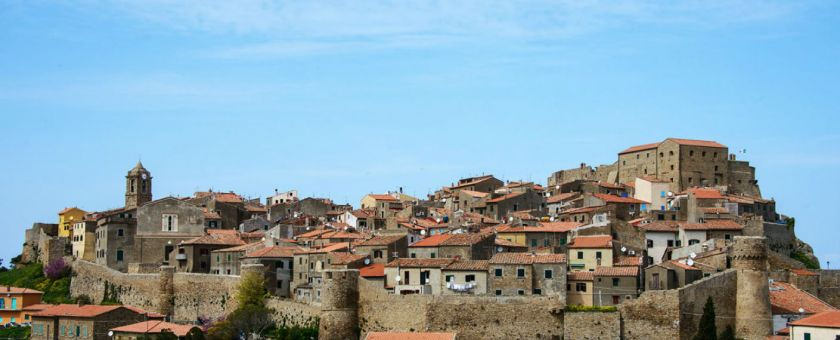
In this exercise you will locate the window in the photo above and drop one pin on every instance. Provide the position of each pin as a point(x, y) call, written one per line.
point(597, 254)
point(693, 241)
point(169, 222)
point(727, 237)
point(689, 180)
point(119, 255)
point(498, 272)
point(549, 274)
point(670, 243)
point(281, 264)
point(413, 255)
point(679, 243)
point(616, 299)
point(533, 242)
point(498, 292)
point(580, 287)
point(661, 154)
point(2, 303)
point(520, 272)
point(580, 255)
point(377, 254)
point(84, 331)
point(703, 154)
point(520, 292)
point(537, 291)
point(691, 153)
point(450, 278)
point(433, 255)
point(14, 303)
point(470, 278)
point(807, 336)
point(650, 243)
point(546, 243)
point(716, 168)
point(615, 281)
point(78, 330)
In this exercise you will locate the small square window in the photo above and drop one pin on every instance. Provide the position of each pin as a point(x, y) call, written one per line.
point(520, 272)
point(521, 292)
point(549, 274)
point(498, 271)
point(498, 292)
point(537, 291)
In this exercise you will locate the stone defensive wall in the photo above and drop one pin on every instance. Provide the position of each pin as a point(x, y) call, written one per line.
point(99, 282)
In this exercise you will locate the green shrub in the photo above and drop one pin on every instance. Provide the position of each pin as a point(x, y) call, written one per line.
point(600, 309)
point(809, 263)
point(15, 333)
point(32, 276)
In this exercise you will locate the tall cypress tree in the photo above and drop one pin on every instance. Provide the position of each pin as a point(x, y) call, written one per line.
point(707, 329)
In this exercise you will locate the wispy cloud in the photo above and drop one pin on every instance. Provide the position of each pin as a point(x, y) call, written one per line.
point(314, 27)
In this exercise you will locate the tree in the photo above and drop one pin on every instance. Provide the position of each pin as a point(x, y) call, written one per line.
point(251, 317)
point(707, 329)
point(728, 334)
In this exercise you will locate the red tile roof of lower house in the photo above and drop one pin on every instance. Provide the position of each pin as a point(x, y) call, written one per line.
point(18, 290)
point(596, 241)
point(37, 307)
point(610, 185)
point(543, 227)
point(679, 264)
point(217, 237)
point(803, 272)
point(786, 298)
point(465, 239)
point(722, 224)
point(561, 197)
point(274, 252)
point(580, 276)
point(81, 311)
point(344, 258)
point(420, 263)
point(243, 248)
point(325, 249)
point(582, 209)
point(618, 199)
point(664, 226)
point(314, 233)
point(617, 271)
point(383, 197)
point(705, 193)
point(473, 265)
point(409, 336)
point(527, 258)
point(628, 261)
point(374, 270)
point(505, 243)
point(154, 327)
point(829, 319)
point(432, 241)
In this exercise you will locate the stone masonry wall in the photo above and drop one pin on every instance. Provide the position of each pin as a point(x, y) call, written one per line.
point(95, 281)
point(591, 325)
point(204, 295)
point(290, 313)
point(653, 315)
point(828, 289)
point(722, 288)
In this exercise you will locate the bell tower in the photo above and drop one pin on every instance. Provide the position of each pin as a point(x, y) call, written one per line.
point(138, 186)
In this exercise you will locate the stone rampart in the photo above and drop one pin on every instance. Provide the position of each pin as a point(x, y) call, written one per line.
point(722, 288)
point(204, 295)
point(592, 325)
point(100, 283)
point(653, 315)
point(291, 313)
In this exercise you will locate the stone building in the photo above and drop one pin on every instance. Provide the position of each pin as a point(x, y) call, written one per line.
point(465, 277)
point(138, 186)
point(613, 285)
point(384, 248)
point(468, 246)
point(580, 288)
point(514, 274)
point(153, 329)
point(84, 239)
point(308, 275)
point(670, 275)
point(588, 252)
point(161, 225)
point(115, 234)
point(279, 264)
point(545, 237)
point(193, 256)
point(416, 275)
point(695, 233)
point(626, 208)
point(686, 163)
point(84, 321)
point(501, 206)
point(228, 261)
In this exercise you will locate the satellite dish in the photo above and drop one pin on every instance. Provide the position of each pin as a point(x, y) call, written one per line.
point(367, 261)
point(510, 218)
point(692, 255)
point(499, 249)
point(111, 333)
point(437, 220)
point(801, 310)
point(670, 194)
point(557, 187)
point(551, 219)
point(623, 249)
point(397, 278)
point(690, 262)
point(422, 232)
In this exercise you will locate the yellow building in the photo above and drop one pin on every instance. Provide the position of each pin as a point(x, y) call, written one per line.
point(588, 252)
point(66, 219)
point(15, 303)
point(580, 286)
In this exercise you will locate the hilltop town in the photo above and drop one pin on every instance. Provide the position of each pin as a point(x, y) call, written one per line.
point(633, 249)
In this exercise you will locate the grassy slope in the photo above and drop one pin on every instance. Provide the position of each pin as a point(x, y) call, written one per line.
point(32, 276)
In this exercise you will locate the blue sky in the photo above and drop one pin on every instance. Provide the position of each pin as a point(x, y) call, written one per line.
point(343, 98)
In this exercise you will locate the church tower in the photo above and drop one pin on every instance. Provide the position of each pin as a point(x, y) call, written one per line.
point(138, 186)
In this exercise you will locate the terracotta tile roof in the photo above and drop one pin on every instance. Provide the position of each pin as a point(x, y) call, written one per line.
point(597, 241)
point(83, 311)
point(465, 239)
point(722, 224)
point(617, 199)
point(221, 239)
point(580, 276)
point(715, 210)
point(409, 336)
point(326, 249)
point(786, 298)
point(697, 142)
point(829, 319)
point(474, 193)
point(432, 241)
point(363, 213)
point(628, 261)
point(383, 197)
point(273, 252)
point(803, 272)
point(37, 307)
point(243, 248)
point(67, 210)
point(471, 181)
point(544, 227)
point(374, 270)
point(256, 208)
point(227, 197)
point(705, 193)
point(341, 235)
point(505, 197)
point(344, 258)
point(561, 197)
point(314, 233)
point(505, 243)
point(338, 225)
point(665, 226)
point(583, 209)
point(382, 240)
point(679, 264)
point(636, 222)
point(222, 232)
point(610, 185)
point(154, 327)
point(18, 290)
point(480, 265)
point(617, 271)
point(419, 263)
point(639, 148)
point(527, 258)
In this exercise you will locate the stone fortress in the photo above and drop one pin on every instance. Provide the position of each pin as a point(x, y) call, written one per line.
point(351, 307)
